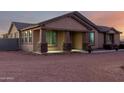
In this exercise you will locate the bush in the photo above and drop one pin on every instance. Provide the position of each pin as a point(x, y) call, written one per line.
point(121, 46)
point(111, 46)
point(108, 46)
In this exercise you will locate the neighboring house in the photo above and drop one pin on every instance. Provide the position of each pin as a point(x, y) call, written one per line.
point(5, 35)
point(66, 32)
point(2, 34)
point(15, 28)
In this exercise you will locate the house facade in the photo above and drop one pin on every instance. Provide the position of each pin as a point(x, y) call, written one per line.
point(68, 32)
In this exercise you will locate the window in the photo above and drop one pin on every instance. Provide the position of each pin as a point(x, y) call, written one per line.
point(15, 35)
point(30, 36)
point(111, 38)
point(25, 36)
point(92, 38)
point(51, 38)
point(22, 37)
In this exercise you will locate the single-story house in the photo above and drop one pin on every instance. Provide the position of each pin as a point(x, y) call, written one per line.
point(63, 33)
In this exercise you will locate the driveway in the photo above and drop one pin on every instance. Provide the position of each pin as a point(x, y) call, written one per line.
point(76, 67)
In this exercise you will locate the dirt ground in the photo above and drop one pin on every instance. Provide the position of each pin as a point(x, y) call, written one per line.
point(76, 67)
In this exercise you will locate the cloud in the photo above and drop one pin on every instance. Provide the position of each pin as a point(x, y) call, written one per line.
point(106, 18)
point(112, 19)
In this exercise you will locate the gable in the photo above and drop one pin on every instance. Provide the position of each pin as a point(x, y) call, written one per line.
point(13, 29)
point(66, 23)
point(111, 32)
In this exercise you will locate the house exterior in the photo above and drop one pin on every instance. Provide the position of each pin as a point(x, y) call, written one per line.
point(108, 36)
point(63, 33)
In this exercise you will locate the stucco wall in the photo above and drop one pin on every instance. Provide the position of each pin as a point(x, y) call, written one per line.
point(77, 40)
point(61, 39)
point(96, 40)
point(117, 39)
point(100, 40)
point(13, 32)
point(66, 23)
point(27, 47)
point(36, 40)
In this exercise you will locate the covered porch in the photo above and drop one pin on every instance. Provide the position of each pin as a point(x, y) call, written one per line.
point(65, 33)
point(50, 41)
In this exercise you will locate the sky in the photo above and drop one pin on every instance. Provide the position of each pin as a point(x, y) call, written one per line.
point(105, 18)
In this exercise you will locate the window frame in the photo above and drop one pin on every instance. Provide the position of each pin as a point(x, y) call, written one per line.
point(30, 36)
point(25, 37)
point(90, 41)
point(110, 38)
point(50, 37)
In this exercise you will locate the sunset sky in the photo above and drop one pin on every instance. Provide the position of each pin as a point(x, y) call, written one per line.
point(111, 19)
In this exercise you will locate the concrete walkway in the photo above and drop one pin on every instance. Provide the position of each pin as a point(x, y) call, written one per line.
point(82, 51)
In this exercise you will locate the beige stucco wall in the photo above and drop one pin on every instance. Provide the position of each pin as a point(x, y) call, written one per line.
point(117, 39)
point(96, 40)
point(26, 46)
point(100, 40)
point(36, 40)
point(13, 31)
point(66, 23)
point(61, 39)
point(77, 40)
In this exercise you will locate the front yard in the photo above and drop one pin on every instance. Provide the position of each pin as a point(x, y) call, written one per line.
point(75, 67)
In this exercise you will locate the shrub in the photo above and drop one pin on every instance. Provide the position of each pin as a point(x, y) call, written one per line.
point(111, 46)
point(108, 46)
point(121, 46)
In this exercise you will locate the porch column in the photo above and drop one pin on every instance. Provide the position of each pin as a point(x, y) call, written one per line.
point(113, 38)
point(44, 47)
point(105, 38)
point(87, 41)
point(67, 46)
point(87, 38)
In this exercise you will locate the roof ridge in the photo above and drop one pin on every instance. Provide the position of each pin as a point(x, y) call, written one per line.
point(73, 13)
point(66, 14)
point(22, 22)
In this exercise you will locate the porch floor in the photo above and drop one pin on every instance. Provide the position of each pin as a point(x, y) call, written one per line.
point(60, 51)
point(80, 51)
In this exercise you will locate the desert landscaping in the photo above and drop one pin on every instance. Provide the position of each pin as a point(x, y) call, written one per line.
point(20, 66)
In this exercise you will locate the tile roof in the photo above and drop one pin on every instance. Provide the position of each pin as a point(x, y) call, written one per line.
point(77, 15)
point(104, 28)
point(20, 25)
point(74, 14)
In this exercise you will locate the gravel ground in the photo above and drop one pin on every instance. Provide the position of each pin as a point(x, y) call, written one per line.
point(75, 67)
